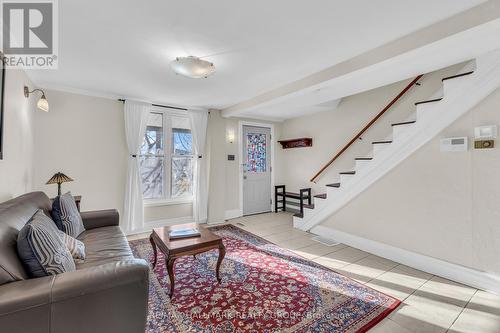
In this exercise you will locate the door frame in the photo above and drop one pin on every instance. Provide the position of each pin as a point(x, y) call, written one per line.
point(242, 123)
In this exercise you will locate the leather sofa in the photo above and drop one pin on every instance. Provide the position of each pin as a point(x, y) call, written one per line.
point(107, 293)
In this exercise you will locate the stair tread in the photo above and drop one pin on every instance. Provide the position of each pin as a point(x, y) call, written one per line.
point(458, 75)
point(380, 142)
point(333, 185)
point(429, 101)
point(321, 196)
point(363, 158)
point(404, 123)
point(292, 195)
point(347, 173)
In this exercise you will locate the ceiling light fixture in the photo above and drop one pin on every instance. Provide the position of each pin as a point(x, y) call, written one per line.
point(42, 103)
point(192, 67)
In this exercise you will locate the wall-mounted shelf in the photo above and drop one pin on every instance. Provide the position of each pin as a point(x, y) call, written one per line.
point(296, 143)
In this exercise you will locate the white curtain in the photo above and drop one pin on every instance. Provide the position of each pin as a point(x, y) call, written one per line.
point(136, 116)
point(199, 120)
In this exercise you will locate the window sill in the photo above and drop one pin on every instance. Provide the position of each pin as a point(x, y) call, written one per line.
point(167, 202)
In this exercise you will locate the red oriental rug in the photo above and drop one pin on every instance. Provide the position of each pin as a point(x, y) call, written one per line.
point(264, 289)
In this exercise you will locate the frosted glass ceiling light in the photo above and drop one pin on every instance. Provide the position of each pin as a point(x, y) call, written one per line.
point(192, 67)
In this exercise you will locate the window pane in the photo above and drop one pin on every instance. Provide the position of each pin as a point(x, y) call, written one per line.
point(182, 176)
point(256, 152)
point(152, 173)
point(182, 141)
point(153, 138)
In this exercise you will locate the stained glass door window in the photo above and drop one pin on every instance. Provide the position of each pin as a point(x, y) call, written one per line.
point(256, 152)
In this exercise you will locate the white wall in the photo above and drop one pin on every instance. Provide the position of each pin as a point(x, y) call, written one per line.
point(16, 168)
point(224, 185)
point(443, 205)
point(84, 137)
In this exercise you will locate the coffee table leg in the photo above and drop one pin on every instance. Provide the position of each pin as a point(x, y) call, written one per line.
point(153, 244)
point(222, 253)
point(171, 275)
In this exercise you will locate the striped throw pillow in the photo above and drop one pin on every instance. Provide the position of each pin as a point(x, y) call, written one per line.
point(74, 246)
point(40, 248)
point(66, 215)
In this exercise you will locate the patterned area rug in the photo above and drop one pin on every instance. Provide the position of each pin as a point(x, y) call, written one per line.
point(264, 289)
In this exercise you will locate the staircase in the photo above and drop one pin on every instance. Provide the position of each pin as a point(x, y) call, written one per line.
point(460, 94)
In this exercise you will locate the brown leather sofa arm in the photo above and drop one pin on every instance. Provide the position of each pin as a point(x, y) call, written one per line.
point(100, 278)
point(100, 218)
point(25, 305)
point(111, 298)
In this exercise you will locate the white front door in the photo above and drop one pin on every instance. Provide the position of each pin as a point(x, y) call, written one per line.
point(256, 169)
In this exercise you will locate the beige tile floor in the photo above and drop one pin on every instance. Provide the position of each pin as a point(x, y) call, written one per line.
point(429, 303)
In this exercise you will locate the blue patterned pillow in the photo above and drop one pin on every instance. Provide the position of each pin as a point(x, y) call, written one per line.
point(40, 248)
point(75, 247)
point(66, 215)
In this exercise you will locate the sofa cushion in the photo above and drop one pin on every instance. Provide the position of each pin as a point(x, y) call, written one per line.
point(66, 215)
point(74, 246)
point(40, 248)
point(13, 216)
point(104, 245)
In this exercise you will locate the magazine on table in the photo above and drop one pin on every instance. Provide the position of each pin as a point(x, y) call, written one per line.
point(184, 233)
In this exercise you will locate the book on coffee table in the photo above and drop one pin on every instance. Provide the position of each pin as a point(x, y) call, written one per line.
point(184, 233)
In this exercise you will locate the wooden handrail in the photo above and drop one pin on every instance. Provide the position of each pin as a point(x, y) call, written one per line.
point(404, 91)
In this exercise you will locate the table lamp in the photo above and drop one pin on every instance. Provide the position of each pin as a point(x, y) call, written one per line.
point(58, 179)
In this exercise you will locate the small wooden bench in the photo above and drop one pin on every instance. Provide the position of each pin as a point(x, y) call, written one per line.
point(281, 195)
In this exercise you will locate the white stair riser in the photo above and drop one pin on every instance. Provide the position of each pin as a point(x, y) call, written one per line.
point(380, 147)
point(308, 213)
point(332, 191)
point(361, 164)
point(455, 83)
point(426, 110)
point(345, 179)
point(439, 93)
point(319, 203)
point(399, 130)
point(297, 221)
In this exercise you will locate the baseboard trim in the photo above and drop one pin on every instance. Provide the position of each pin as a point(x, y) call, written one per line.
point(149, 225)
point(232, 214)
point(474, 278)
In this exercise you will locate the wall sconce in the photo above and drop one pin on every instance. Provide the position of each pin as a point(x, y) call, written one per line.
point(230, 136)
point(42, 103)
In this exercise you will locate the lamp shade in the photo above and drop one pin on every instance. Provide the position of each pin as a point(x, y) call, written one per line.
point(43, 104)
point(59, 178)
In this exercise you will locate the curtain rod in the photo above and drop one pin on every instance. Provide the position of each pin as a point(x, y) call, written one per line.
point(161, 106)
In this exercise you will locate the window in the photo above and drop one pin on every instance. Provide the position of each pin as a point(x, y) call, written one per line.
point(256, 152)
point(167, 156)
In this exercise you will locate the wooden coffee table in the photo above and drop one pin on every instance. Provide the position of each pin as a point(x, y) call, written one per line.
point(176, 248)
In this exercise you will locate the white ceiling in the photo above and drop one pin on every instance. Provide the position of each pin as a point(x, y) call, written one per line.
point(123, 48)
